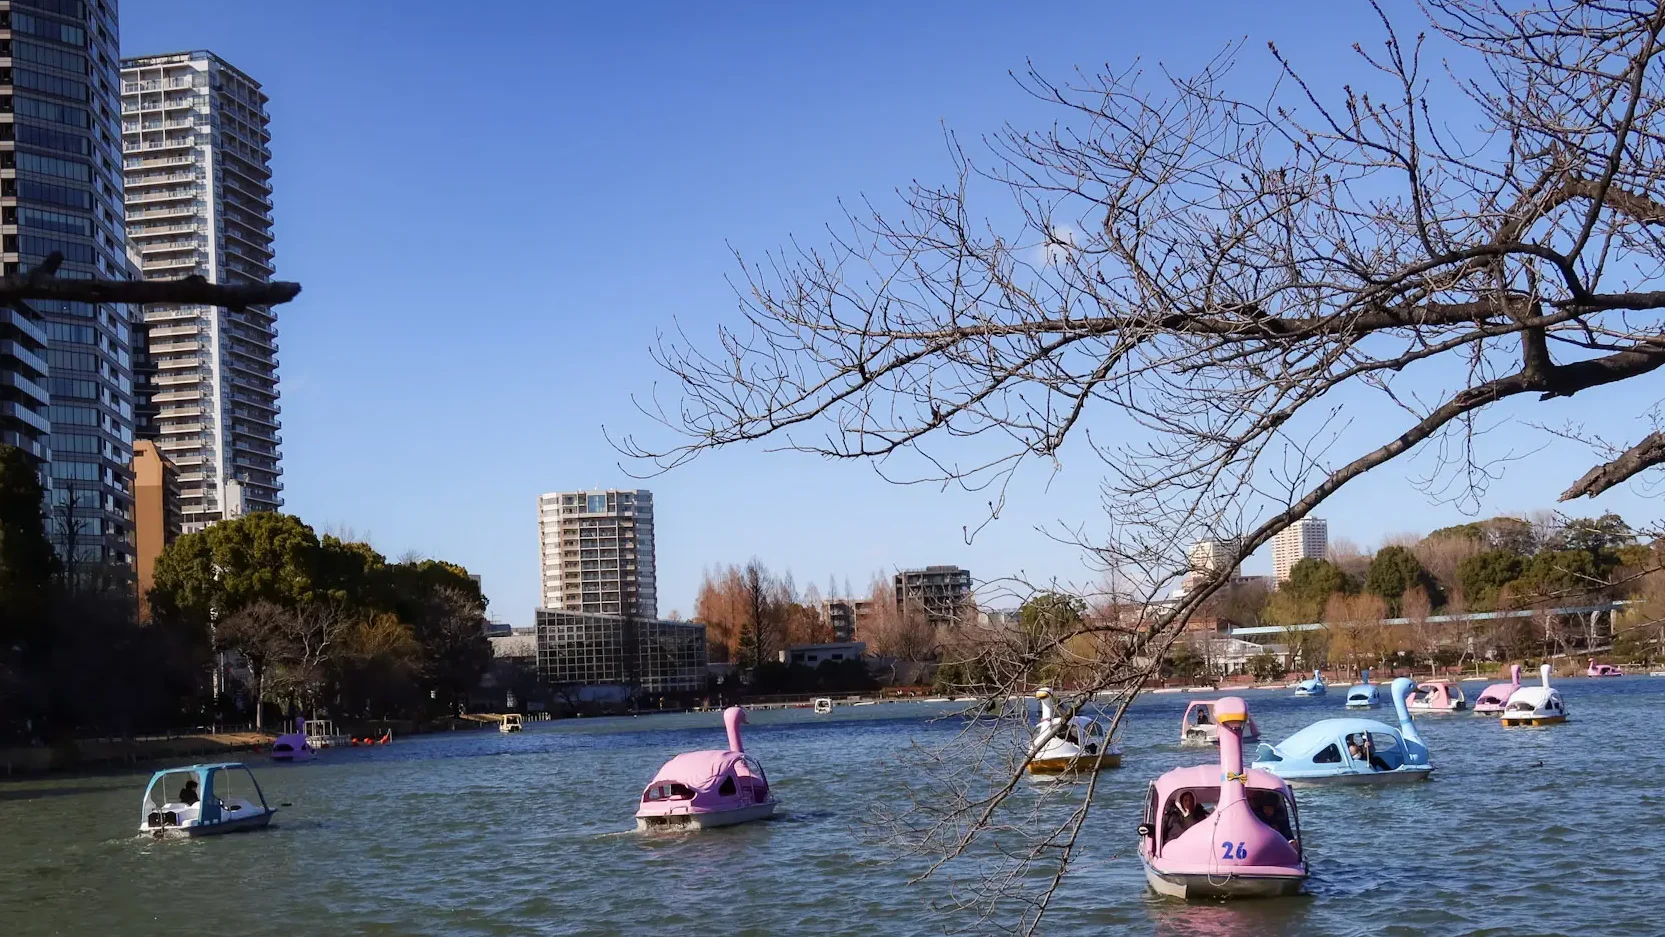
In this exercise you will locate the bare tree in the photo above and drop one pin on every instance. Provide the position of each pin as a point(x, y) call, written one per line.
point(1219, 271)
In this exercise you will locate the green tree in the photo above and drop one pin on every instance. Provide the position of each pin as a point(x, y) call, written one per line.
point(1266, 667)
point(1483, 576)
point(216, 571)
point(27, 563)
point(1395, 571)
point(1595, 536)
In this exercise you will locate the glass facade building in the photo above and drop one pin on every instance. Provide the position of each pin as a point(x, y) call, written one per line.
point(199, 198)
point(61, 193)
point(646, 655)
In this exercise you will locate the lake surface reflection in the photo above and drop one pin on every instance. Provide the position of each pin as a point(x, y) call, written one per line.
point(1525, 831)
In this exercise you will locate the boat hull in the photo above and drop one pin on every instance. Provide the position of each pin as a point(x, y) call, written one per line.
point(705, 821)
point(1082, 764)
point(258, 821)
point(1396, 776)
point(1436, 710)
point(1534, 720)
point(1231, 885)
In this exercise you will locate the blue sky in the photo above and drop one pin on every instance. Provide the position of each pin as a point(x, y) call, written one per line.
point(494, 209)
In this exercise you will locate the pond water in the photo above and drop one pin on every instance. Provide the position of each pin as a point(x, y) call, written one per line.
point(1525, 831)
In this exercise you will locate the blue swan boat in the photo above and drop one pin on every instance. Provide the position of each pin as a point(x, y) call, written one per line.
point(1351, 750)
point(1363, 695)
point(1312, 687)
point(203, 800)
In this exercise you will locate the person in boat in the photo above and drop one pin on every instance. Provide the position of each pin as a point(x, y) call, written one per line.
point(1182, 815)
point(1203, 717)
point(1355, 750)
point(188, 794)
point(1269, 808)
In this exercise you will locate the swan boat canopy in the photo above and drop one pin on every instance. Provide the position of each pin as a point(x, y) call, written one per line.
point(1437, 696)
point(1198, 725)
point(1220, 831)
point(1363, 695)
point(293, 746)
point(512, 723)
point(1351, 751)
point(823, 705)
point(1077, 746)
point(701, 790)
point(203, 800)
point(1312, 687)
point(1493, 698)
point(1535, 705)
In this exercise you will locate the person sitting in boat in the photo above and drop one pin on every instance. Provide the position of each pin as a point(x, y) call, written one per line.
point(1182, 816)
point(1355, 748)
point(1203, 717)
point(188, 794)
point(1269, 808)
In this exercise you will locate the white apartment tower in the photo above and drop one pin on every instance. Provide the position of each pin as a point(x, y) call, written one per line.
point(1207, 557)
point(1307, 538)
point(597, 552)
point(199, 201)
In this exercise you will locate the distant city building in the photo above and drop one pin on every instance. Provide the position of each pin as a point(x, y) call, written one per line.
point(648, 655)
point(66, 394)
point(596, 551)
point(811, 655)
point(1307, 538)
point(156, 517)
point(1207, 557)
point(199, 202)
point(943, 593)
point(846, 616)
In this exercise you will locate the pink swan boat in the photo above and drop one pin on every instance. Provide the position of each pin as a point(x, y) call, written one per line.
point(1603, 670)
point(1493, 698)
point(701, 790)
point(1248, 846)
point(1436, 696)
point(293, 746)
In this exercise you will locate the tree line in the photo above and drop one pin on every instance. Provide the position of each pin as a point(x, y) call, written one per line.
point(252, 617)
point(1499, 564)
point(319, 623)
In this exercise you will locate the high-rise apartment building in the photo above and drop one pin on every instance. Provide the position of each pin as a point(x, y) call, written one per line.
point(61, 193)
point(942, 593)
point(1207, 557)
point(199, 201)
point(1307, 538)
point(597, 552)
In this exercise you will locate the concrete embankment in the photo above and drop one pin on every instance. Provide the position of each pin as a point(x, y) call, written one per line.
point(108, 754)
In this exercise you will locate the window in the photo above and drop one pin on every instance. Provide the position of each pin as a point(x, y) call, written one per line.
point(1329, 756)
point(726, 789)
point(62, 59)
point(69, 442)
point(54, 112)
point(50, 166)
point(48, 29)
point(69, 332)
point(50, 139)
point(70, 8)
point(80, 471)
point(41, 219)
point(49, 84)
point(34, 191)
point(74, 360)
point(70, 387)
point(596, 504)
point(41, 247)
point(74, 416)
